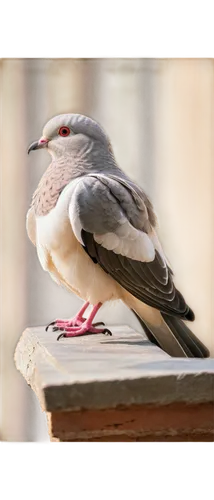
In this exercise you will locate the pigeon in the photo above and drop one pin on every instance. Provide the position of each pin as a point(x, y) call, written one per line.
point(95, 232)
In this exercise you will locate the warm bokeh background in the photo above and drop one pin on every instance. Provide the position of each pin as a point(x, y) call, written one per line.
point(159, 115)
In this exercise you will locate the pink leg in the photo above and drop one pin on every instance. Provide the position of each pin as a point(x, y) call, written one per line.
point(86, 326)
point(78, 319)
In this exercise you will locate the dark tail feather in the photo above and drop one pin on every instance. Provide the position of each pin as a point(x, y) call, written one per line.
point(174, 337)
point(190, 315)
point(147, 331)
point(186, 337)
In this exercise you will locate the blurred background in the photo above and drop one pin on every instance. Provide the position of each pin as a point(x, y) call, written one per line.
point(159, 115)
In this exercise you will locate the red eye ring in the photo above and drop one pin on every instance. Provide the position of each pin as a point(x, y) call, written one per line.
point(64, 131)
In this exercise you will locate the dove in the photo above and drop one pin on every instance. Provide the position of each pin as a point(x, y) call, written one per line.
point(95, 232)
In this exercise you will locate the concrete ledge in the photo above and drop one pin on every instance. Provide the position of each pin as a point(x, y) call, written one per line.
point(76, 379)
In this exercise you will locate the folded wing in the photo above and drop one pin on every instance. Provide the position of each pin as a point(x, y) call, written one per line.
point(115, 223)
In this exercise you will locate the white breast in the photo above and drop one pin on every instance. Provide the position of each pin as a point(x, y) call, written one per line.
point(62, 255)
point(53, 231)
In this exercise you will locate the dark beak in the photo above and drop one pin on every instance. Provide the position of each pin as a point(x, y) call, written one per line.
point(32, 147)
point(43, 141)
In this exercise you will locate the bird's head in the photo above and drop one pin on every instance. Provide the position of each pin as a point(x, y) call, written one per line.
point(63, 133)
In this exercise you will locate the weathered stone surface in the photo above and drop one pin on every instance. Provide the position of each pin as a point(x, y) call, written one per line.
point(98, 372)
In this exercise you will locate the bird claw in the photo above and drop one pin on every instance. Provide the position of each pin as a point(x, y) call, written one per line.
point(62, 335)
point(57, 329)
point(50, 324)
point(76, 326)
point(107, 332)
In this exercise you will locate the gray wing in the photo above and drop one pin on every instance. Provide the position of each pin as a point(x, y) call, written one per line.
point(114, 222)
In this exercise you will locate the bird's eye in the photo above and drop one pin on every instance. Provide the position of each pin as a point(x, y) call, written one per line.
point(64, 131)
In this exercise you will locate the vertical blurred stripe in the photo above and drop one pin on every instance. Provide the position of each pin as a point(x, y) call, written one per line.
point(94, 88)
point(122, 112)
point(13, 244)
point(36, 111)
point(184, 183)
point(63, 86)
point(146, 105)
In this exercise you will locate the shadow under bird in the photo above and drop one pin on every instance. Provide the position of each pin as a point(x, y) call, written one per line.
point(95, 233)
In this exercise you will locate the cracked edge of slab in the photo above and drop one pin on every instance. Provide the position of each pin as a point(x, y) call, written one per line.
point(158, 387)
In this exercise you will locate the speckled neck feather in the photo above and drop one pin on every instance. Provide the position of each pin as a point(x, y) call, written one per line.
point(50, 186)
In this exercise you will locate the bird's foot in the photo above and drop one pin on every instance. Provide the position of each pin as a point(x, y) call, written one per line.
point(79, 325)
point(60, 324)
point(86, 327)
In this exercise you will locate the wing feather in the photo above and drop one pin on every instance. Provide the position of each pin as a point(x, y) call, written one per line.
point(115, 223)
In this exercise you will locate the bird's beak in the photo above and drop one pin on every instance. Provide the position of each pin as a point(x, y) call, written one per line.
point(42, 143)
